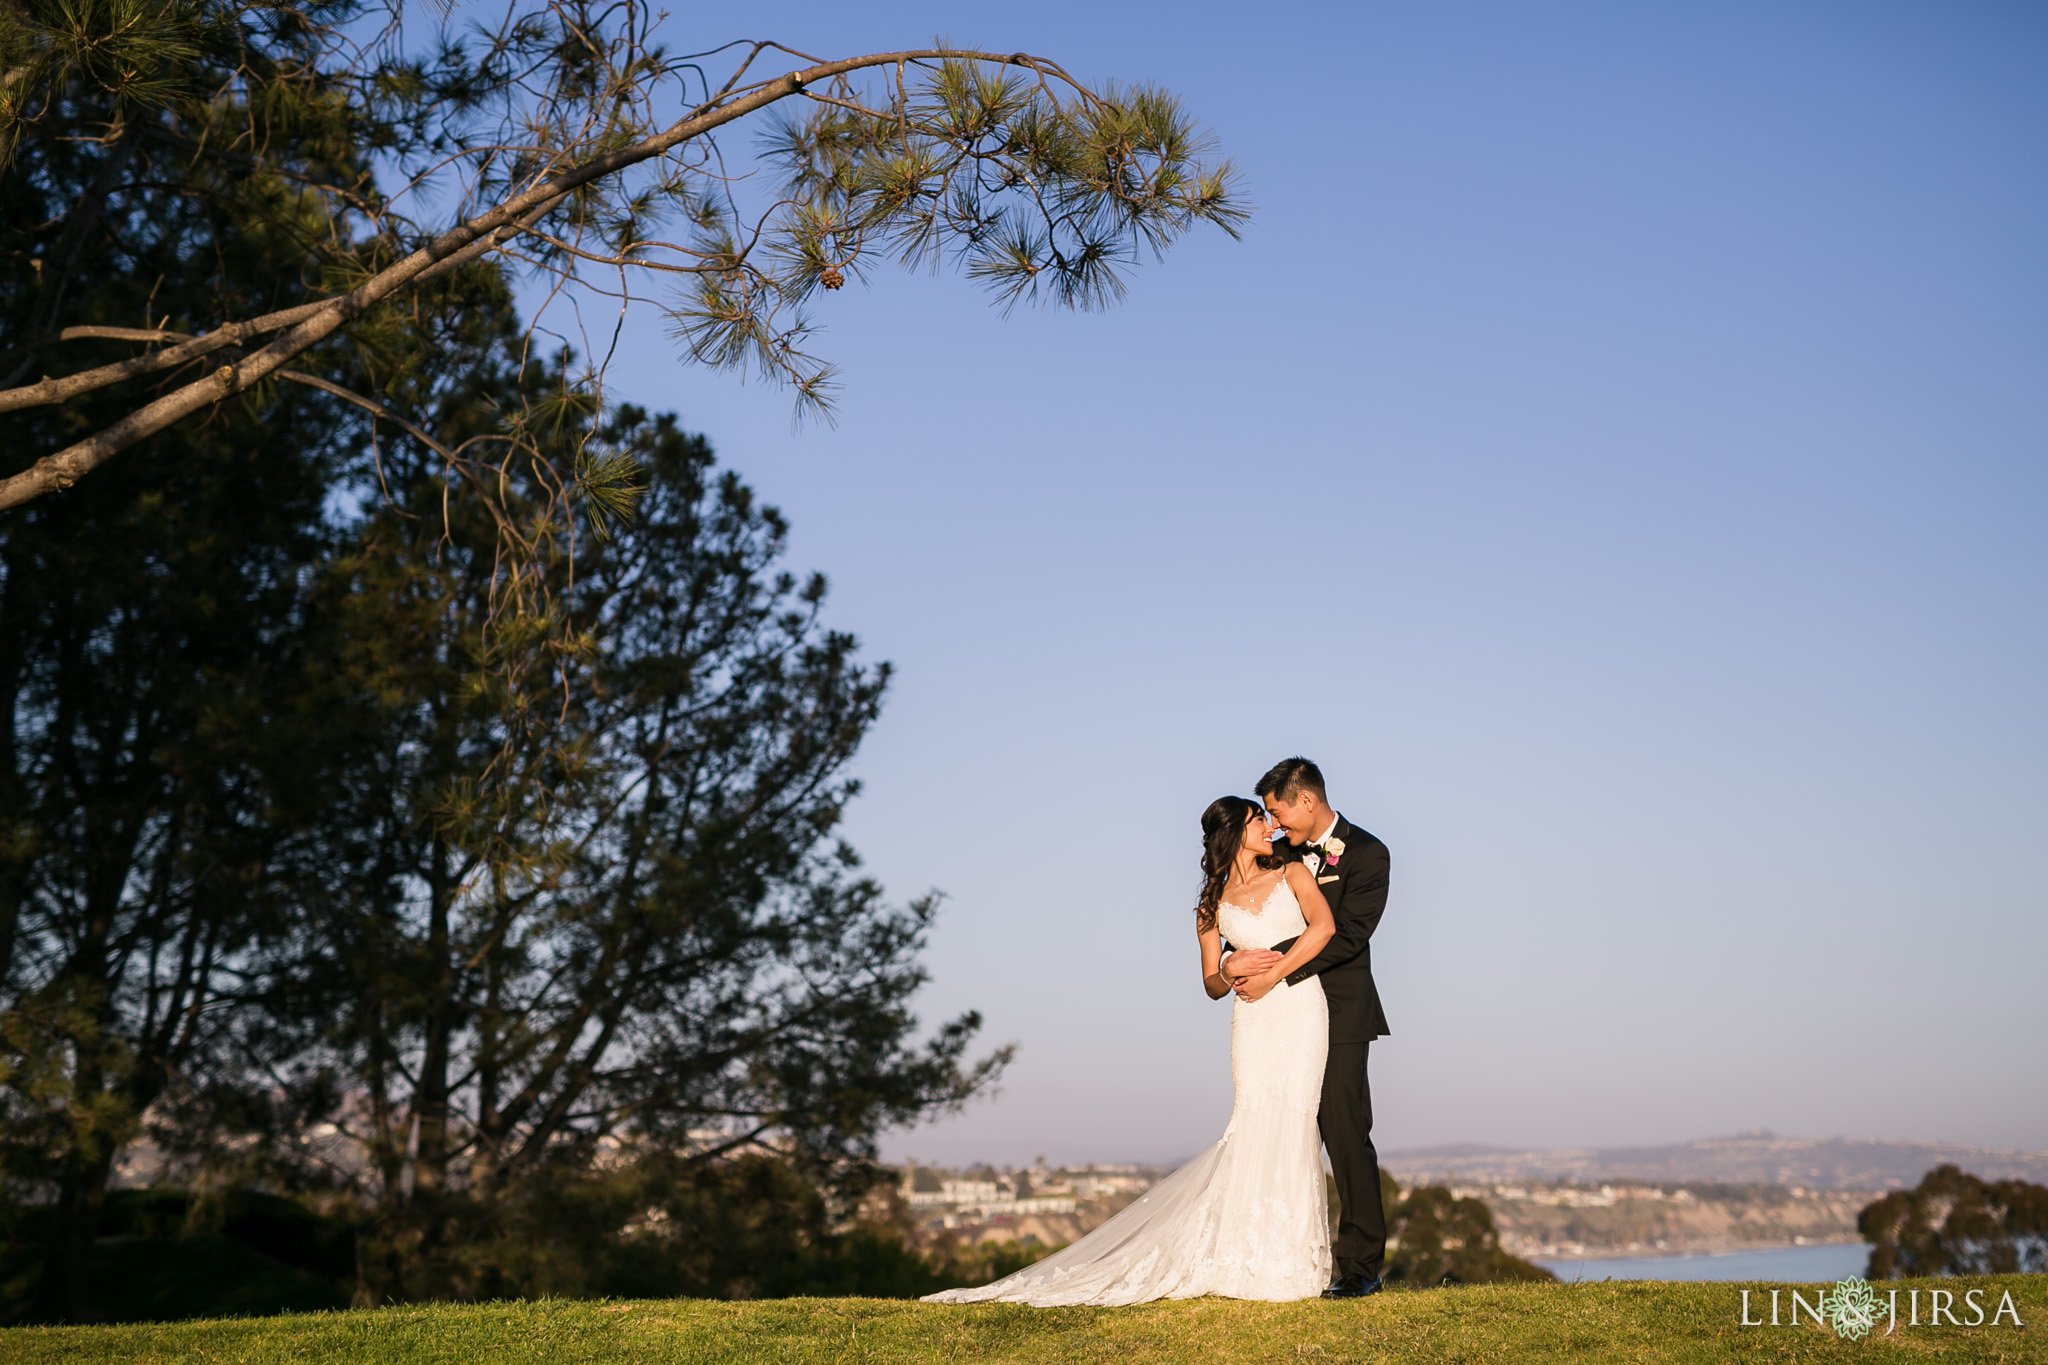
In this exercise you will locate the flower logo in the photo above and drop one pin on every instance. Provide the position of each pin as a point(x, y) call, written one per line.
point(1851, 1307)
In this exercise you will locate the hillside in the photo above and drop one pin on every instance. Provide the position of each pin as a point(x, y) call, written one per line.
point(1631, 1321)
point(1636, 1219)
point(1758, 1158)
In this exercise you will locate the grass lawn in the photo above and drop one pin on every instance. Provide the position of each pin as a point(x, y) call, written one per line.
point(1627, 1321)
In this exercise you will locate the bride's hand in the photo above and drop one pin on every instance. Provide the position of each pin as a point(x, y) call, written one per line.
point(1250, 988)
point(1248, 962)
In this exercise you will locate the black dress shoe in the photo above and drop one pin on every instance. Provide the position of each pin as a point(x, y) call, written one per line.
point(1353, 1287)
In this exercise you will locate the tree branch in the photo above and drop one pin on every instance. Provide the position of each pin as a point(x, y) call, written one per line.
point(476, 236)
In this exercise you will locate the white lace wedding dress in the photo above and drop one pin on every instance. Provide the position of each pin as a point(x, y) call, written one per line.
point(1247, 1219)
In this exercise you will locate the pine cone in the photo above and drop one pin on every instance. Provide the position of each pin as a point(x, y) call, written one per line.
point(831, 277)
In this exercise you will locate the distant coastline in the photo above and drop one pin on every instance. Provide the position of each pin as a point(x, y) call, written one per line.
point(1564, 1218)
point(1592, 1257)
point(1757, 1157)
point(1751, 1194)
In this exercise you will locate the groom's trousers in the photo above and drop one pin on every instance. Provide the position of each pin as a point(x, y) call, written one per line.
point(1346, 1123)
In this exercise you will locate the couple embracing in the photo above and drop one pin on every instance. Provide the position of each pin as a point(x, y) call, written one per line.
point(1291, 892)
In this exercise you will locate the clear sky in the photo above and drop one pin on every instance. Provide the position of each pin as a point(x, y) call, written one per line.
point(1617, 452)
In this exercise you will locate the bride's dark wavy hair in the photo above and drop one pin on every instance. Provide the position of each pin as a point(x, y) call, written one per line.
point(1222, 831)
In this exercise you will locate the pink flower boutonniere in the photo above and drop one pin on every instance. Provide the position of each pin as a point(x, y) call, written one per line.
point(1335, 848)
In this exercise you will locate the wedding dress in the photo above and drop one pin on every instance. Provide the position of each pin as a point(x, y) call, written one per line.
point(1248, 1218)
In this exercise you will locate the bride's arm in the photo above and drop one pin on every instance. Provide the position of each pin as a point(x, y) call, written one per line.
point(1213, 979)
point(1321, 926)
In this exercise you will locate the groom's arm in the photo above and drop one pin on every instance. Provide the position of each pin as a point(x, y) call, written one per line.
point(1357, 914)
point(1242, 962)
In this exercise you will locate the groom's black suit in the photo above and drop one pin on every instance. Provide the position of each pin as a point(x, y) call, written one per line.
point(1356, 889)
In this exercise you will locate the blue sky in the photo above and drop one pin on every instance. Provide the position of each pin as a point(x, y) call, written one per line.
point(1615, 452)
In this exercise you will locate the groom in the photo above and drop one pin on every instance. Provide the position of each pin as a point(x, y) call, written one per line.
point(1350, 866)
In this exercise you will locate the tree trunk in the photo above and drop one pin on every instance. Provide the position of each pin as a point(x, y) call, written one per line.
point(66, 1290)
point(430, 1160)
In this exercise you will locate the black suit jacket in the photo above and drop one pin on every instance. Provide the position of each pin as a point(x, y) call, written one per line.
point(1356, 889)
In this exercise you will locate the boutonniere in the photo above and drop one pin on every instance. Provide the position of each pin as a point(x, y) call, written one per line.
point(1335, 847)
point(1314, 861)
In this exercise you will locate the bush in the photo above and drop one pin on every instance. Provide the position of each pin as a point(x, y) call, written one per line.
point(1437, 1238)
point(1953, 1223)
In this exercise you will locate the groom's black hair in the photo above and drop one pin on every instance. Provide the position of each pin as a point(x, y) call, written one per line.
point(1286, 778)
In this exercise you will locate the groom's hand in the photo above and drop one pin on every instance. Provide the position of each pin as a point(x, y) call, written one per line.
point(1247, 962)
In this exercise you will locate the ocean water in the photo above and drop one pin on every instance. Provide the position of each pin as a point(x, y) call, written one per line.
point(1785, 1265)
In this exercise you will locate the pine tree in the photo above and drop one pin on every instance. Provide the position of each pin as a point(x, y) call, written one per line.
point(565, 139)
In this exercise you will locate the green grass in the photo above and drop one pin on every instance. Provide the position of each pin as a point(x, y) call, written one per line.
point(1628, 1321)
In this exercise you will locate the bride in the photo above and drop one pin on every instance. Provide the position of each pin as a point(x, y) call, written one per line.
point(1246, 1219)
